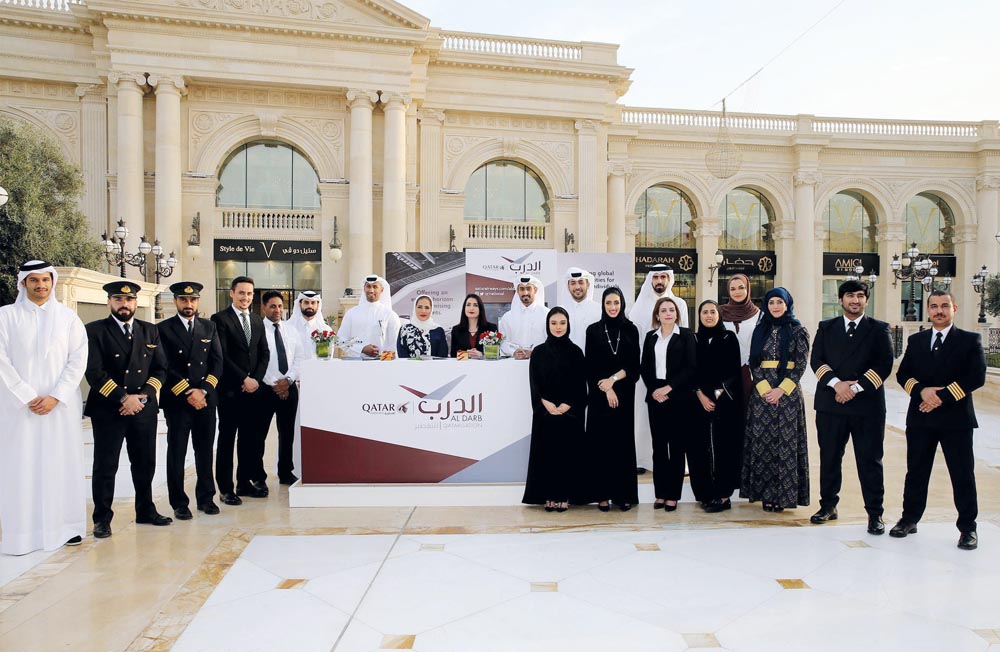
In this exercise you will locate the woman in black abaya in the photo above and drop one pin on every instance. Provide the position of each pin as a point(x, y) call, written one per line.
point(557, 374)
point(612, 358)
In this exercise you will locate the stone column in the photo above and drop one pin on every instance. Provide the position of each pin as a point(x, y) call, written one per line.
point(394, 173)
point(802, 279)
point(131, 186)
point(433, 231)
point(360, 240)
point(891, 240)
point(94, 150)
point(591, 235)
point(617, 237)
point(167, 193)
point(708, 230)
point(967, 255)
point(988, 219)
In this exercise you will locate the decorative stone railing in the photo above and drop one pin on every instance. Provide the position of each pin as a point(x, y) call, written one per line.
point(514, 234)
point(271, 221)
point(512, 46)
point(52, 5)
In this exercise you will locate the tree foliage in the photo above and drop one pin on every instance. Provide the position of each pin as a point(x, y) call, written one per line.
point(42, 220)
point(991, 297)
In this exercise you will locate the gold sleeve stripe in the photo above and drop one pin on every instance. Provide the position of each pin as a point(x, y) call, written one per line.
point(909, 385)
point(824, 369)
point(788, 385)
point(773, 364)
point(874, 378)
point(180, 387)
point(763, 387)
point(212, 380)
point(107, 388)
point(155, 383)
point(956, 391)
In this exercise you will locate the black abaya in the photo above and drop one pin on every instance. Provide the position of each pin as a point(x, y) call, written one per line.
point(722, 430)
point(611, 431)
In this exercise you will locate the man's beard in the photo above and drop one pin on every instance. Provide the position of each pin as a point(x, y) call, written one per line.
point(186, 312)
point(125, 318)
point(308, 313)
point(660, 288)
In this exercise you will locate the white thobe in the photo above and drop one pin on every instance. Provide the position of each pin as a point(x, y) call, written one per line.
point(370, 323)
point(523, 328)
point(581, 315)
point(42, 489)
point(303, 330)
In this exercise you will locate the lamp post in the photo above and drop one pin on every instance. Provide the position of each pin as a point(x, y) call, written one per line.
point(336, 248)
point(163, 266)
point(4, 196)
point(115, 254)
point(979, 286)
point(712, 269)
point(915, 267)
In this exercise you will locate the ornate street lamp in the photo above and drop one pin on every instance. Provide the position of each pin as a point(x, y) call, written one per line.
point(336, 248)
point(4, 196)
point(979, 286)
point(915, 267)
point(115, 254)
point(712, 269)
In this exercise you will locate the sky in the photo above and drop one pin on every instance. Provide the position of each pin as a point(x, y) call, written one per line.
point(918, 59)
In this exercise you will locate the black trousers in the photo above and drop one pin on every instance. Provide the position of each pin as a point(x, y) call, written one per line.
point(183, 423)
point(239, 424)
point(867, 432)
point(674, 439)
point(285, 411)
point(139, 435)
point(921, 447)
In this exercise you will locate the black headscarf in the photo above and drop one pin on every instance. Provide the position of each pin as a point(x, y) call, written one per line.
point(763, 331)
point(551, 339)
point(613, 324)
point(704, 332)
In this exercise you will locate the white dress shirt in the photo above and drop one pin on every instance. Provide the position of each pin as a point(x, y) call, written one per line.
point(293, 350)
point(847, 324)
point(944, 334)
point(660, 352)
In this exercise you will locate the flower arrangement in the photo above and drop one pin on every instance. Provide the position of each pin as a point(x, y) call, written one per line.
point(491, 344)
point(325, 340)
point(415, 340)
point(323, 336)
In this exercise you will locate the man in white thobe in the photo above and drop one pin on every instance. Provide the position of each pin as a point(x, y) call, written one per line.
point(306, 317)
point(659, 283)
point(43, 355)
point(583, 310)
point(523, 326)
point(371, 326)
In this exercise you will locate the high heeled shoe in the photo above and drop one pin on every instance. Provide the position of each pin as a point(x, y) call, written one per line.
point(659, 505)
point(562, 509)
point(670, 508)
point(768, 507)
point(604, 508)
point(550, 507)
point(625, 507)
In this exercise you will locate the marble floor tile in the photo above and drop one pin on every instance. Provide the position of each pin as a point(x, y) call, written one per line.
point(314, 556)
point(12, 566)
point(242, 580)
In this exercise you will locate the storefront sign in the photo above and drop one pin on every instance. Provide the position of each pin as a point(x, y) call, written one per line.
point(264, 250)
point(748, 262)
point(682, 261)
point(947, 264)
point(842, 264)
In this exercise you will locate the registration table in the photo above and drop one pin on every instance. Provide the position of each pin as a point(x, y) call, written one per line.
point(413, 432)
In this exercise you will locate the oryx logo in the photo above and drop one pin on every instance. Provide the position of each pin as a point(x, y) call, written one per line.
point(517, 261)
point(458, 412)
point(437, 394)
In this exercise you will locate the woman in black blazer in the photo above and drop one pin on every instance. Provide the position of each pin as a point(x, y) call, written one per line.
point(465, 336)
point(670, 384)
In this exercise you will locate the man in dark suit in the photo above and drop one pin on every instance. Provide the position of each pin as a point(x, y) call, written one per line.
point(852, 357)
point(194, 365)
point(245, 355)
point(941, 368)
point(125, 370)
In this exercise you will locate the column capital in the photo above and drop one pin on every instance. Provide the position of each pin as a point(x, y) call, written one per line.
point(360, 98)
point(168, 83)
point(631, 225)
point(122, 78)
point(619, 168)
point(966, 233)
point(891, 232)
point(987, 182)
point(819, 230)
point(806, 177)
point(783, 229)
point(586, 126)
point(391, 99)
point(433, 117)
point(90, 92)
point(708, 227)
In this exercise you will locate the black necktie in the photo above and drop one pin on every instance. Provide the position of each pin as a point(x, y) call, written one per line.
point(190, 323)
point(128, 332)
point(938, 341)
point(280, 345)
point(850, 329)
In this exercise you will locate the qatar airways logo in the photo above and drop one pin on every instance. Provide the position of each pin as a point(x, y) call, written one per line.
point(446, 408)
point(516, 265)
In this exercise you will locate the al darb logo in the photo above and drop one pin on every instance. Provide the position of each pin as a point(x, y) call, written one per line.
point(517, 265)
point(436, 404)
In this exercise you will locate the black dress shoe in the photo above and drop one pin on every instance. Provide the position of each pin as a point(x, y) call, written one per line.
point(156, 519)
point(231, 499)
point(261, 487)
point(640, 470)
point(876, 525)
point(209, 508)
point(824, 515)
point(716, 506)
point(75, 541)
point(768, 507)
point(251, 492)
point(182, 514)
point(625, 507)
point(289, 479)
point(968, 541)
point(604, 508)
point(903, 528)
point(669, 508)
point(102, 530)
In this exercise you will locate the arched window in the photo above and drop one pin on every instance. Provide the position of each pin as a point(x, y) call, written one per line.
point(664, 218)
point(931, 224)
point(506, 191)
point(746, 217)
point(851, 224)
point(268, 174)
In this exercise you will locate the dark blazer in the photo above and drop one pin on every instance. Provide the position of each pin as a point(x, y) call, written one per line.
point(192, 361)
point(116, 367)
point(460, 338)
point(240, 360)
point(866, 357)
point(681, 365)
point(959, 368)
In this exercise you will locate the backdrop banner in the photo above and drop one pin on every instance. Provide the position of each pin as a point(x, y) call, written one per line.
point(491, 273)
point(608, 270)
point(441, 275)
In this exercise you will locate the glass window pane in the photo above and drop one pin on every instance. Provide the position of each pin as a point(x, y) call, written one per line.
point(851, 224)
point(271, 275)
point(535, 198)
point(746, 216)
point(505, 191)
point(931, 224)
point(308, 275)
point(305, 184)
point(269, 176)
point(233, 180)
point(663, 216)
point(475, 195)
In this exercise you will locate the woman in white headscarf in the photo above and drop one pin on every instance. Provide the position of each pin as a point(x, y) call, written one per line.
point(422, 324)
